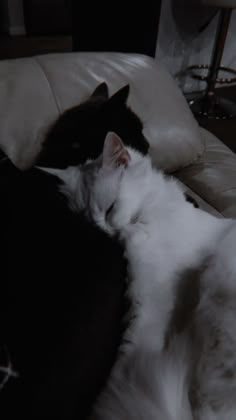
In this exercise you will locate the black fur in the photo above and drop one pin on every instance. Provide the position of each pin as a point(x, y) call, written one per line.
point(79, 133)
point(62, 279)
point(191, 200)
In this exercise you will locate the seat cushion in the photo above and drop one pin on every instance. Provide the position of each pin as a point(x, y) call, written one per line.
point(213, 176)
point(35, 91)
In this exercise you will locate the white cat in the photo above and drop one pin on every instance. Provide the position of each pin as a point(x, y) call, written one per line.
point(164, 236)
point(214, 332)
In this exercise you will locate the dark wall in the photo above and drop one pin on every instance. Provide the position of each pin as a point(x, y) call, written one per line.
point(4, 18)
point(95, 25)
point(47, 17)
point(115, 26)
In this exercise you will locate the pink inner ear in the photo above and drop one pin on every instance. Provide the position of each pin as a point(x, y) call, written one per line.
point(123, 158)
point(114, 152)
point(116, 145)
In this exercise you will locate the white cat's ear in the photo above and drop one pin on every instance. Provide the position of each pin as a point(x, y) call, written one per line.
point(114, 152)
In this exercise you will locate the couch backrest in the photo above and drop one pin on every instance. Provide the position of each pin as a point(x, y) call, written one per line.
point(35, 91)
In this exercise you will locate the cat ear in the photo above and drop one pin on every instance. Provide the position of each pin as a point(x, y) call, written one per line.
point(120, 97)
point(101, 91)
point(114, 152)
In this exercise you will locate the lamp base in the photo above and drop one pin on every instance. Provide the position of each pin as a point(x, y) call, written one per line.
point(212, 106)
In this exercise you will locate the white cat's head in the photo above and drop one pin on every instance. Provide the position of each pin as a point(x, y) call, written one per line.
point(116, 185)
point(111, 189)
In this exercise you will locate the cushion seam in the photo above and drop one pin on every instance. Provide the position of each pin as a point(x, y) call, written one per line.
point(228, 189)
point(49, 84)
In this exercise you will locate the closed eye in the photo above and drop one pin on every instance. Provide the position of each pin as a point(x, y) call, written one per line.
point(109, 210)
point(134, 219)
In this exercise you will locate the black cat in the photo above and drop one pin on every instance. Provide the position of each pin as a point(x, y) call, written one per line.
point(80, 132)
point(62, 279)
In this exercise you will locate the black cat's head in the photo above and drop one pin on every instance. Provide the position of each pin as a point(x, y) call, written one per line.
point(79, 133)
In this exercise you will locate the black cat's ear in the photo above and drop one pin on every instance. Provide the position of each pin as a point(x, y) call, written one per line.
point(101, 91)
point(120, 97)
point(114, 152)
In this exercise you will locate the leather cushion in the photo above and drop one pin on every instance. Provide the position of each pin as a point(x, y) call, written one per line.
point(36, 90)
point(213, 176)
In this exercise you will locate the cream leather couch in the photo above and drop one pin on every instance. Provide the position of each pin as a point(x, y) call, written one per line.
point(34, 91)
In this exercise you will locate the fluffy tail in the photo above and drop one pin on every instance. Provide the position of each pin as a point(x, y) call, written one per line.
point(145, 385)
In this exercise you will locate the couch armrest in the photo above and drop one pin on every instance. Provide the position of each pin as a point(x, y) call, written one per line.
point(213, 175)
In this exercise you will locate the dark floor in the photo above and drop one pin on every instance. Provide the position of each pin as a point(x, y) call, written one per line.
point(23, 46)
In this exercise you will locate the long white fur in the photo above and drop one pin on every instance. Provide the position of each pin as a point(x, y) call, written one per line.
point(148, 385)
point(215, 335)
point(164, 235)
